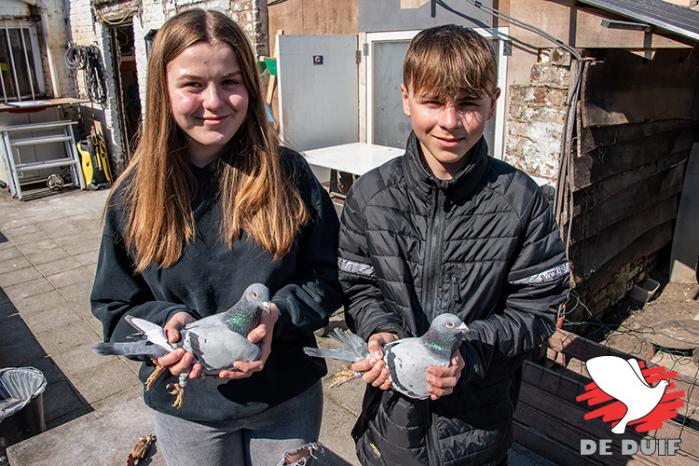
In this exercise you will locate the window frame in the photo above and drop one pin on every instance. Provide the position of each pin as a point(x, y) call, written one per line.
point(31, 53)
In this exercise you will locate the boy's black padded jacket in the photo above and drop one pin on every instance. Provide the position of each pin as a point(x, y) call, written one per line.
point(483, 245)
point(210, 277)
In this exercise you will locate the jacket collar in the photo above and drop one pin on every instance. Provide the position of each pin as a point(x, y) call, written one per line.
point(463, 184)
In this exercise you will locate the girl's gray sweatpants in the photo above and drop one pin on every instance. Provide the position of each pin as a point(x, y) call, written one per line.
point(259, 440)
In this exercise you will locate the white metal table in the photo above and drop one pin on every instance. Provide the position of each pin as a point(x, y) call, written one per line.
point(356, 158)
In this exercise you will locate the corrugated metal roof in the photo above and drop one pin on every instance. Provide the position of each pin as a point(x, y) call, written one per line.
point(661, 15)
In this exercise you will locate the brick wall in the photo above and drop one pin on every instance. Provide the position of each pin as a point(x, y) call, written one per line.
point(536, 116)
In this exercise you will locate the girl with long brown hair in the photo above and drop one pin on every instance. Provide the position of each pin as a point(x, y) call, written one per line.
point(210, 204)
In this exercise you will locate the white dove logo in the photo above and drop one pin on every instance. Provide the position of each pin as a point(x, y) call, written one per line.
point(622, 379)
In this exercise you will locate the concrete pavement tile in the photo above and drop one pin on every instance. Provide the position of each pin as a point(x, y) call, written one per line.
point(78, 297)
point(43, 257)
point(96, 326)
point(135, 366)
point(335, 431)
point(88, 257)
point(9, 253)
point(15, 277)
point(81, 359)
point(105, 380)
point(15, 233)
point(71, 277)
point(60, 398)
point(41, 302)
point(26, 289)
point(30, 238)
point(92, 268)
point(82, 243)
point(16, 222)
point(14, 264)
point(39, 246)
point(51, 318)
point(66, 262)
point(61, 339)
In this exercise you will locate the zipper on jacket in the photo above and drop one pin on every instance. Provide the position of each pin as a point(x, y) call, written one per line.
point(456, 292)
point(433, 255)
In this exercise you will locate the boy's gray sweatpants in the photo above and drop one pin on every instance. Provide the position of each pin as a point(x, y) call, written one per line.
point(259, 440)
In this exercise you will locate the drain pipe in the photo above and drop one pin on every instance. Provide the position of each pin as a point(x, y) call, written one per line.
point(43, 12)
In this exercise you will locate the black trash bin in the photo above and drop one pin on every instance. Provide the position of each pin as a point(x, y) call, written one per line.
point(21, 403)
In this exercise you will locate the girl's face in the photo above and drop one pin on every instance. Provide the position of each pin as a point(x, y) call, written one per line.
point(208, 98)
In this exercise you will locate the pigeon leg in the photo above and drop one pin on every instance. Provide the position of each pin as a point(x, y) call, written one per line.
point(177, 390)
point(156, 373)
point(343, 376)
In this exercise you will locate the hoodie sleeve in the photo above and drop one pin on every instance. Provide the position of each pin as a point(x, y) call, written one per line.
point(306, 303)
point(537, 285)
point(365, 310)
point(119, 291)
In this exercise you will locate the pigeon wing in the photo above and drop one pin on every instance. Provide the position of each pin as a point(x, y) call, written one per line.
point(152, 332)
point(407, 360)
point(218, 347)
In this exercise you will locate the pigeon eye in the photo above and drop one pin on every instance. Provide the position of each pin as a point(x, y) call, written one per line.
point(450, 324)
point(253, 295)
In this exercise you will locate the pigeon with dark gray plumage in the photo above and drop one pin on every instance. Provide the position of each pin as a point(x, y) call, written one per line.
point(217, 341)
point(407, 359)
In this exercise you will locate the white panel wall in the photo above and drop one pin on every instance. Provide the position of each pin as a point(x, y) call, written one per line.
point(318, 103)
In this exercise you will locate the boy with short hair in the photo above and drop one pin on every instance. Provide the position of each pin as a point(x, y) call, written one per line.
point(446, 228)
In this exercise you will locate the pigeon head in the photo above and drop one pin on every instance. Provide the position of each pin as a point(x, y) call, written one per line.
point(245, 314)
point(445, 333)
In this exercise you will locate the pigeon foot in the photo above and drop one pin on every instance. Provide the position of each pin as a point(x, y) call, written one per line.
point(343, 376)
point(154, 375)
point(176, 390)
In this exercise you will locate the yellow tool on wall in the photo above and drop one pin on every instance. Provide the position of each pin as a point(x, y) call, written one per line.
point(94, 159)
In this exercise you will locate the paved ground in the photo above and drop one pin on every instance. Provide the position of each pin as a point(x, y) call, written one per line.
point(48, 255)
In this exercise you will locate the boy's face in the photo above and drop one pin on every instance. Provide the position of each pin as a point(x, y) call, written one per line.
point(447, 131)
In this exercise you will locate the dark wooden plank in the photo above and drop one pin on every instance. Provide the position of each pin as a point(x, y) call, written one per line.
point(622, 87)
point(600, 192)
point(647, 244)
point(601, 136)
point(566, 434)
point(591, 219)
point(545, 446)
point(607, 161)
point(572, 414)
point(600, 249)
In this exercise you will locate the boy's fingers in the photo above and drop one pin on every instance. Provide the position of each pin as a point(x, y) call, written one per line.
point(442, 382)
point(375, 348)
point(381, 379)
point(361, 366)
point(257, 334)
point(374, 373)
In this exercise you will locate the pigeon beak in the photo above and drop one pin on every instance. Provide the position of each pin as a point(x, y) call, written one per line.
point(463, 328)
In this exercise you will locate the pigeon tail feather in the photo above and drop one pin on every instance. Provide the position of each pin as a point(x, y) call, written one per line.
point(137, 348)
point(351, 341)
point(343, 354)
